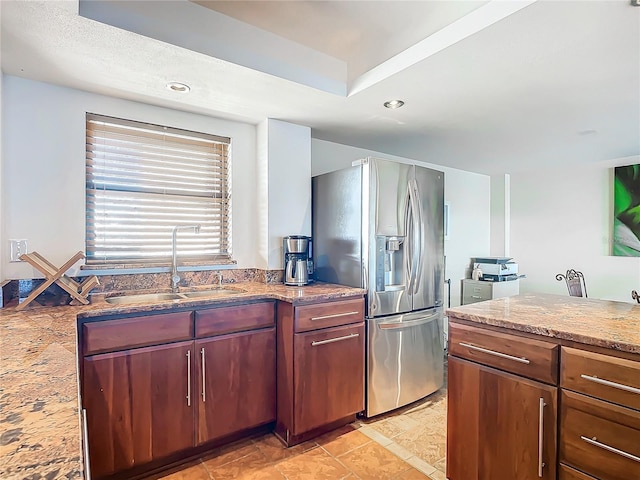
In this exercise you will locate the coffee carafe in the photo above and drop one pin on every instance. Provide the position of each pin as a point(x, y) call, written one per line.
point(298, 266)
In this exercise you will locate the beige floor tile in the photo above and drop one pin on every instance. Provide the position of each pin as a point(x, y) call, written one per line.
point(313, 464)
point(250, 467)
point(229, 453)
point(424, 443)
point(421, 465)
point(372, 461)
point(438, 475)
point(375, 435)
point(274, 451)
point(399, 451)
point(441, 464)
point(195, 472)
point(413, 474)
point(342, 440)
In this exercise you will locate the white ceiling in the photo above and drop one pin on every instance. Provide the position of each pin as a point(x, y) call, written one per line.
point(490, 87)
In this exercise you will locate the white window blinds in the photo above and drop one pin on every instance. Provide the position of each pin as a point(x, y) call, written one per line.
point(143, 180)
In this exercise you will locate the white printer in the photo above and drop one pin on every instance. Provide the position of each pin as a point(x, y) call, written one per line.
point(496, 269)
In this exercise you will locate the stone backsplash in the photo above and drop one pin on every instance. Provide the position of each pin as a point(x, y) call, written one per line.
point(54, 295)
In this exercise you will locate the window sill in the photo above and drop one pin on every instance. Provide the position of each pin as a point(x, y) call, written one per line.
point(159, 267)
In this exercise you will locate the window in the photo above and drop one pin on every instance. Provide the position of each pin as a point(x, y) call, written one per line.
point(142, 181)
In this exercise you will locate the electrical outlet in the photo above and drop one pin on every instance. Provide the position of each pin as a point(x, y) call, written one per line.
point(17, 248)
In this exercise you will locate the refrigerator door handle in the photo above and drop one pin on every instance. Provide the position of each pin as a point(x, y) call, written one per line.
point(410, 323)
point(408, 229)
point(420, 226)
point(413, 251)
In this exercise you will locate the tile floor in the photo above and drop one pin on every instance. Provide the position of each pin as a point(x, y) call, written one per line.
point(407, 444)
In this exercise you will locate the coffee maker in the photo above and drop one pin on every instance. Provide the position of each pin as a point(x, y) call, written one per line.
point(298, 266)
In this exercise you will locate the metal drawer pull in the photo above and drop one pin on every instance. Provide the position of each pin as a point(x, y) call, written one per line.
point(497, 354)
point(541, 436)
point(476, 296)
point(626, 388)
point(188, 378)
point(594, 441)
point(335, 315)
point(204, 381)
point(337, 339)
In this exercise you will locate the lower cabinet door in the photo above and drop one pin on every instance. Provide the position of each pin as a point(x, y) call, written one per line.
point(138, 405)
point(499, 425)
point(236, 382)
point(328, 376)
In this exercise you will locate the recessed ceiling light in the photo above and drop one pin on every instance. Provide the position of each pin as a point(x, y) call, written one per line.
point(178, 87)
point(394, 104)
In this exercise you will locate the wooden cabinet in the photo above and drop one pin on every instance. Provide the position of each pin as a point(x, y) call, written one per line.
point(499, 425)
point(328, 368)
point(502, 405)
point(138, 405)
point(194, 378)
point(499, 382)
point(237, 382)
point(600, 414)
point(320, 379)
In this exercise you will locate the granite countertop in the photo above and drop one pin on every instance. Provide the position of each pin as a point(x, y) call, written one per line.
point(40, 426)
point(602, 323)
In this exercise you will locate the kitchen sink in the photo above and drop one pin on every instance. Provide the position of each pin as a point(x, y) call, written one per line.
point(159, 297)
point(144, 297)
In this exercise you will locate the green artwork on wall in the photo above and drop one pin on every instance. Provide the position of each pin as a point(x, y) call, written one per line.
point(626, 211)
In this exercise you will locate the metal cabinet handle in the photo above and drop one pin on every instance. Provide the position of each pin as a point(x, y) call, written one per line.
point(594, 441)
point(204, 381)
point(608, 383)
point(497, 354)
point(188, 378)
point(335, 315)
point(476, 296)
point(541, 436)
point(85, 445)
point(337, 339)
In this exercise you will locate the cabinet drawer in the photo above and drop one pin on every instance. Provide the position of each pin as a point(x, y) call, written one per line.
point(528, 357)
point(568, 473)
point(476, 292)
point(123, 333)
point(599, 438)
point(329, 314)
point(609, 378)
point(219, 321)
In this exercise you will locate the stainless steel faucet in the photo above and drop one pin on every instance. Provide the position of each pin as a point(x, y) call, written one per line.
point(175, 278)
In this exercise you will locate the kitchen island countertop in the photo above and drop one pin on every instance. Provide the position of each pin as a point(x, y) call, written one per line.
point(40, 433)
point(602, 323)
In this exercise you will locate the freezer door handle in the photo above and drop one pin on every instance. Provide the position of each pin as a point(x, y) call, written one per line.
point(410, 323)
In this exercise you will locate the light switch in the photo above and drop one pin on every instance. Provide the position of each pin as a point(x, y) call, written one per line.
point(17, 248)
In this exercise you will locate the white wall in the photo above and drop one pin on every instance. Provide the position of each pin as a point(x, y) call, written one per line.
point(284, 187)
point(44, 168)
point(500, 215)
point(468, 194)
point(3, 242)
point(289, 185)
point(562, 219)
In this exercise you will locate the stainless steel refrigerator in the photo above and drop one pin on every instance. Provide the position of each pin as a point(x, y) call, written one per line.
point(379, 225)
